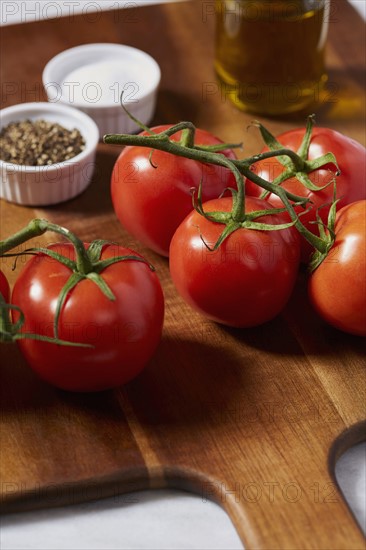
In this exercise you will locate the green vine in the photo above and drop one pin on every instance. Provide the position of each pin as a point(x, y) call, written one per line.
point(87, 265)
point(295, 163)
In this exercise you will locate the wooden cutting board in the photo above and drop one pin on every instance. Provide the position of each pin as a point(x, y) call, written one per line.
point(254, 419)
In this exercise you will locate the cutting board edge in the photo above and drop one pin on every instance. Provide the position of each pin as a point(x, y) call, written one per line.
point(57, 495)
point(351, 436)
point(141, 478)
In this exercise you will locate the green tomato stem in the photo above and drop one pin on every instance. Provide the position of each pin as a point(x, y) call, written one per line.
point(238, 167)
point(187, 139)
point(6, 334)
point(162, 143)
point(83, 263)
point(87, 265)
point(292, 161)
point(38, 227)
point(316, 242)
point(35, 228)
point(303, 150)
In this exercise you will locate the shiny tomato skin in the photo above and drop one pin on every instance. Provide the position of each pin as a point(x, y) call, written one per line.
point(248, 280)
point(4, 287)
point(152, 191)
point(351, 183)
point(337, 288)
point(124, 333)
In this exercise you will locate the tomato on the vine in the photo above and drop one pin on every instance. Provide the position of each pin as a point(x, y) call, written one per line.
point(122, 334)
point(248, 279)
point(4, 287)
point(337, 287)
point(350, 184)
point(152, 190)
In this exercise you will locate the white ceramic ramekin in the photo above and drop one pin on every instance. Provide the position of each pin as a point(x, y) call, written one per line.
point(93, 77)
point(46, 185)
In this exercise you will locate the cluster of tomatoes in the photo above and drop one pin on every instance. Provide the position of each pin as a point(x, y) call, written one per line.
point(233, 256)
point(248, 279)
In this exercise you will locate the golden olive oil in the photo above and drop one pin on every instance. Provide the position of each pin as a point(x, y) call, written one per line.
point(270, 53)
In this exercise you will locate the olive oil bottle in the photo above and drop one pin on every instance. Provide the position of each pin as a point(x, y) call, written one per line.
point(269, 54)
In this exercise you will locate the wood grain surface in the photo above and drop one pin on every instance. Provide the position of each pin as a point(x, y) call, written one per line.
point(253, 419)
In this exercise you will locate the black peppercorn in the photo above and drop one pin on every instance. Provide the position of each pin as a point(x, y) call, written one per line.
point(39, 143)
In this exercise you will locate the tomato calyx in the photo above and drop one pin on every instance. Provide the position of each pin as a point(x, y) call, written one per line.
point(87, 264)
point(298, 166)
point(237, 218)
point(326, 234)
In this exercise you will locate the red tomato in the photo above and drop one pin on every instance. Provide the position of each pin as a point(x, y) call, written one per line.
point(4, 287)
point(247, 280)
point(351, 184)
point(151, 201)
point(337, 288)
point(124, 333)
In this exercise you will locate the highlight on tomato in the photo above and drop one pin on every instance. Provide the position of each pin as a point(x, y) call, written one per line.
point(152, 190)
point(245, 281)
point(316, 178)
point(337, 286)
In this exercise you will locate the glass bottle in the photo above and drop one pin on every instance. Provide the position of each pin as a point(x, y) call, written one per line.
point(269, 54)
